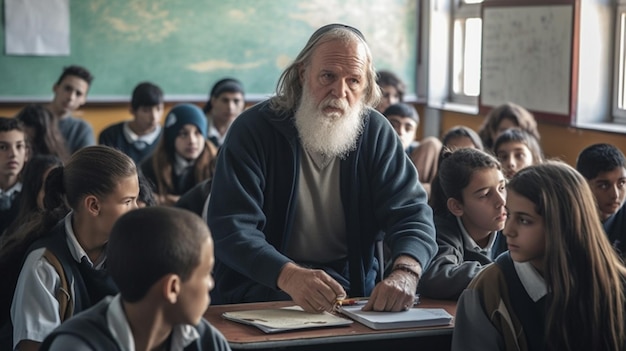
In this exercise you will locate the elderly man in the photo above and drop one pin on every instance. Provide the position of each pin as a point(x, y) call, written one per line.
point(307, 183)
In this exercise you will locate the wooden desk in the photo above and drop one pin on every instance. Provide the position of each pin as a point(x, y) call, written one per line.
point(353, 337)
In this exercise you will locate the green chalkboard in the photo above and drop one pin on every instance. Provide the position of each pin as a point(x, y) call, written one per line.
point(186, 45)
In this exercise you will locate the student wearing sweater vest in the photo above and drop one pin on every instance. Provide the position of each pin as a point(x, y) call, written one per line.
point(138, 137)
point(163, 292)
point(99, 184)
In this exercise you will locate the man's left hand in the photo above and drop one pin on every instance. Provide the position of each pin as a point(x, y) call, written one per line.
point(395, 293)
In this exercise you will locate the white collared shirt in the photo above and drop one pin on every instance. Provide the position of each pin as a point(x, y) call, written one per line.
point(8, 196)
point(35, 309)
point(471, 245)
point(17, 187)
point(182, 334)
point(532, 281)
point(213, 132)
point(76, 250)
point(149, 138)
point(180, 164)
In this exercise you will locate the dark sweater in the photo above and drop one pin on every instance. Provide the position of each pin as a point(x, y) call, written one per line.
point(615, 228)
point(254, 192)
point(113, 136)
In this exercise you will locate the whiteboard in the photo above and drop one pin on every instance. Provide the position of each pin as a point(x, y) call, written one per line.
point(527, 57)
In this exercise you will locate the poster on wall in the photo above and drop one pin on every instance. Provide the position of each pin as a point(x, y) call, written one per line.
point(37, 27)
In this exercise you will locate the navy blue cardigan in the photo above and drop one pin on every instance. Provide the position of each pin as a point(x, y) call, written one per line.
point(253, 199)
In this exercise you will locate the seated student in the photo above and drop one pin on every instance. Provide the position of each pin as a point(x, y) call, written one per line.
point(163, 292)
point(182, 157)
point(469, 212)
point(503, 117)
point(31, 197)
point(392, 87)
point(13, 155)
point(196, 199)
point(604, 167)
point(31, 205)
point(459, 137)
point(226, 102)
point(63, 273)
point(516, 149)
point(138, 138)
point(42, 132)
point(404, 119)
point(560, 286)
point(70, 93)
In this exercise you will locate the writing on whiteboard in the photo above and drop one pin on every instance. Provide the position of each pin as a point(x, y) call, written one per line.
point(526, 58)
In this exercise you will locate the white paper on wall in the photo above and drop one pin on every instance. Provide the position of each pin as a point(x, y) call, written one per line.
point(37, 27)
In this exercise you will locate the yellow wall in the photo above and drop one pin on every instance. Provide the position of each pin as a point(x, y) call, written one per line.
point(557, 141)
point(98, 115)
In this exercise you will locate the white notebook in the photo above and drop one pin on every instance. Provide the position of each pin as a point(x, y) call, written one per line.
point(414, 317)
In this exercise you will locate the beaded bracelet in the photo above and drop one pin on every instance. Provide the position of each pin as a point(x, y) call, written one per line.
point(406, 268)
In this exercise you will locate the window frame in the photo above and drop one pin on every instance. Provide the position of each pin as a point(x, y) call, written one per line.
point(461, 11)
point(619, 66)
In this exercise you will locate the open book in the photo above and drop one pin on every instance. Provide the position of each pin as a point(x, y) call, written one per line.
point(414, 317)
point(285, 319)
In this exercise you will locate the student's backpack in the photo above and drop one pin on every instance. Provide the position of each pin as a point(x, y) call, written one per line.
point(11, 267)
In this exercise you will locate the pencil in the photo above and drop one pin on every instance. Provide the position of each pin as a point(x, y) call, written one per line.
point(351, 301)
point(355, 301)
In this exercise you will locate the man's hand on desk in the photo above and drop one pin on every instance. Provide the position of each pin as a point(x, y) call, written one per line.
point(397, 291)
point(312, 289)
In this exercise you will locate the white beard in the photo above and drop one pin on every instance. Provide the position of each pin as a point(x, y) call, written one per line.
point(332, 134)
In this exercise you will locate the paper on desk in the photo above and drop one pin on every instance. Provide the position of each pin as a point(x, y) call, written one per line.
point(285, 319)
point(37, 27)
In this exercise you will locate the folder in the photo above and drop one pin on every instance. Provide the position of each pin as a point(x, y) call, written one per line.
point(285, 319)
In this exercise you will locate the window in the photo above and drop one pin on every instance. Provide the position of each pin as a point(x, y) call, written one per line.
point(466, 50)
point(619, 85)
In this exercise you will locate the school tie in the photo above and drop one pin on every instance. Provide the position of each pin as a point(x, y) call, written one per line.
point(98, 283)
point(6, 200)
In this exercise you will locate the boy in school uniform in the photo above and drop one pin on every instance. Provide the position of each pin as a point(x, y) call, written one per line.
point(163, 292)
point(70, 93)
point(138, 138)
point(604, 167)
point(226, 101)
point(12, 158)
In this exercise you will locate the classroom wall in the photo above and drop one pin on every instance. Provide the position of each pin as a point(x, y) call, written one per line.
point(557, 141)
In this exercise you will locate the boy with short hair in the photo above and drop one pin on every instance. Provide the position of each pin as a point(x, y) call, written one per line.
point(604, 167)
point(13, 155)
point(70, 93)
point(163, 292)
point(139, 137)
